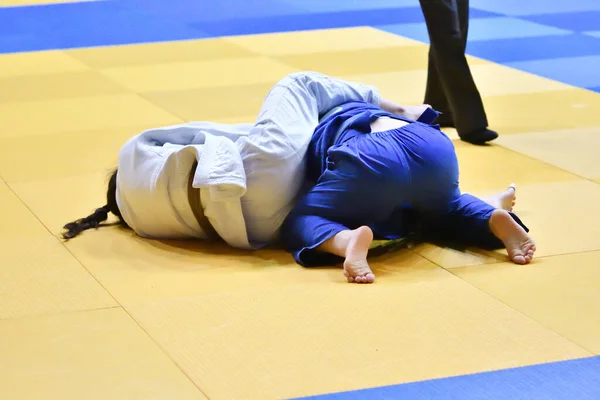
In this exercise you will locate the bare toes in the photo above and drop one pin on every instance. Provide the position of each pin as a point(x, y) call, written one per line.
point(519, 260)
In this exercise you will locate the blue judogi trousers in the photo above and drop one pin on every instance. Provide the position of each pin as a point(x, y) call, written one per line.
point(395, 182)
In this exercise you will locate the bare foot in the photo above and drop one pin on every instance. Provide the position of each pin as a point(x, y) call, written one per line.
point(519, 245)
point(356, 268)
point(505, 200)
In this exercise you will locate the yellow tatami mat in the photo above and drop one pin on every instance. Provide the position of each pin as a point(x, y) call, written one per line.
point(560, 292)
point(98, 355)
point(419, 322)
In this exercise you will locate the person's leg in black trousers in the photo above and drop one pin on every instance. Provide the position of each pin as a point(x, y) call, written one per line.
point(450, 86)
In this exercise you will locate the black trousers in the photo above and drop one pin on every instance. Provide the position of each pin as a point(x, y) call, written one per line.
point(450, 86)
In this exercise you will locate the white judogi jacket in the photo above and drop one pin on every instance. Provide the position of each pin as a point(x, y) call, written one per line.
point(248, 175)
point(152, 186)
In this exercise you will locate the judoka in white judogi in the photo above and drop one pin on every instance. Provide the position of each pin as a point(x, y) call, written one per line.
point(248, 175)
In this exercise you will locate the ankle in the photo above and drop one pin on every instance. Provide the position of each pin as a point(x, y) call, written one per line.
point(359, 242)
point(338, 244)
point(498, 220)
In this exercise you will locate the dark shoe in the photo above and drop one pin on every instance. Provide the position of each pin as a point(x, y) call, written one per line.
point(479, 137)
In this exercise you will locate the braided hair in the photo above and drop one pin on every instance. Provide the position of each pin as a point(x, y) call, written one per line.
point(100, 215)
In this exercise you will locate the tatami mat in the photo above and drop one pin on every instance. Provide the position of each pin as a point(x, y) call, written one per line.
point(112, 316)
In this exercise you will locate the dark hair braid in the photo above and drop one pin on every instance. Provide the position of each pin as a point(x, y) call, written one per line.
point(91, 221)
point(100, 215)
